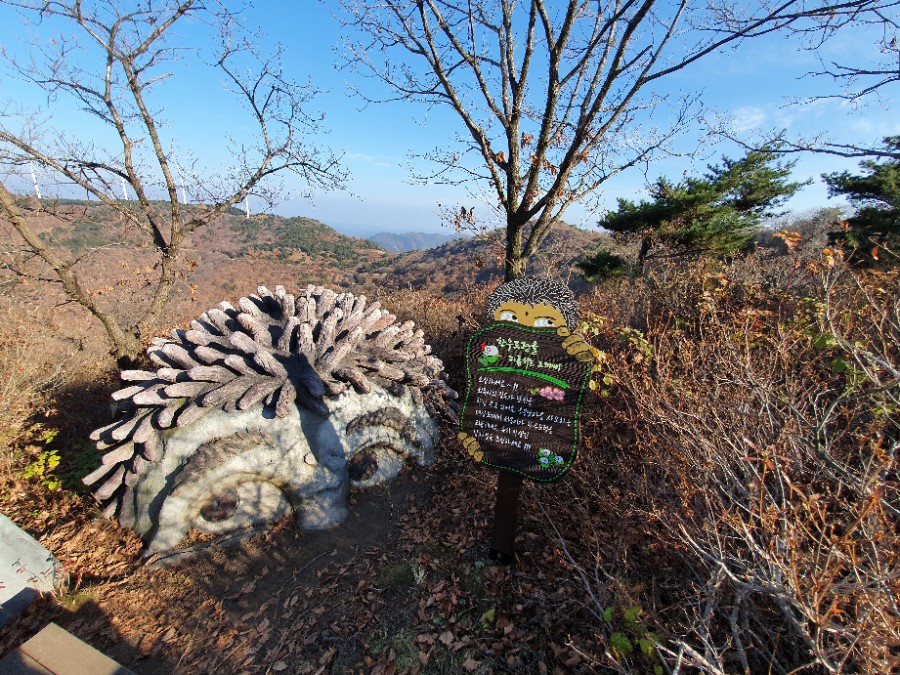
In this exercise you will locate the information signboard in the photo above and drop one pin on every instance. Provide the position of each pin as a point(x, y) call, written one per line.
point(523, 396)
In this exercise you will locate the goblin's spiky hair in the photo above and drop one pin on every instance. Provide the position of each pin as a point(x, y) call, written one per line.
point(273, 348)
point(529, 291)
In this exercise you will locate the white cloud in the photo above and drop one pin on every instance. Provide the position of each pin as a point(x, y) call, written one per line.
point(748, 118)
point(359, 157)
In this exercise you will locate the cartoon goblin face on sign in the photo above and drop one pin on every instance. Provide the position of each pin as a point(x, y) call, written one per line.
point(534, 302)
point(538, 316)
point(539, 303)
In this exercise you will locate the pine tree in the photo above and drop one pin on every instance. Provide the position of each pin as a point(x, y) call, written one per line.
point(718, 213)
point(875, 228)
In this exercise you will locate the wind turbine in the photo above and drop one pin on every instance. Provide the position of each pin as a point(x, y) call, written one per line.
point(180, 173)
point(247, 205)
point(37, 188)
point(124, 189)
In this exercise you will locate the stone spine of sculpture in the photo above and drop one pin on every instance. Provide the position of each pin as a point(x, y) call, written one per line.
point(275, 354)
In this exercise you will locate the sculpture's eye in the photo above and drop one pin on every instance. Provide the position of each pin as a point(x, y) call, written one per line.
point(378, 445)
point(221, 506)
point(374, 464)
point(226, 484)
point(507, 315)
point(363, 465)
point(544, 322)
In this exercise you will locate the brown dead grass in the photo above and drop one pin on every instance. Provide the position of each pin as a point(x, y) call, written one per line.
point(694, 525)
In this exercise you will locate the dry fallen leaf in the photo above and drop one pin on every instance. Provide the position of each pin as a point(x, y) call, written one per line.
point(146, 646)
point(425, 638)
point(470, 664)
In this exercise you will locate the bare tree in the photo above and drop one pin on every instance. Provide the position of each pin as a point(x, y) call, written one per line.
point(556, 98)
point(113, 59)
point(858, 79)
point(855, 77)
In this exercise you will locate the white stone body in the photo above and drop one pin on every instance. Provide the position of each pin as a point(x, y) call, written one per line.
point(27, 569)
point(231, 470)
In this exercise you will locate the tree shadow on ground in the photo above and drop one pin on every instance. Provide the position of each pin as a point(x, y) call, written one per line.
point(245, 607)
point(268, 600)
point(86, 619)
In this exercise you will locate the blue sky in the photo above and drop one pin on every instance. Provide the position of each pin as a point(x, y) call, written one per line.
point(755, 87)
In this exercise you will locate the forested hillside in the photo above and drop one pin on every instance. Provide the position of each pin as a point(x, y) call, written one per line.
point(401, 242)
point(280, 479)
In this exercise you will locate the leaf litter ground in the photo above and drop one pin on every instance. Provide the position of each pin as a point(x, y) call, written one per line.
point(403, 586)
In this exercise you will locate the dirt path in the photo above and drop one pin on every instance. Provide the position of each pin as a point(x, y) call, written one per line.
point(401, 587)
point(273, 602)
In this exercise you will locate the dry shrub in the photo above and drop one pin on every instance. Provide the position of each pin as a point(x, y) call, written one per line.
point(56, 374)
point(32, 365)
point(447, 321)
point(752, 430)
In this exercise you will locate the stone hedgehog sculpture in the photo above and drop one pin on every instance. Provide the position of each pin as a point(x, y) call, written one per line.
point(272, 407)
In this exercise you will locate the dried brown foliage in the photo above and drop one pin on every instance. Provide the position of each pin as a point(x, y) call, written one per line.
point(736, 495)
point(30, 368)
point(751, 440)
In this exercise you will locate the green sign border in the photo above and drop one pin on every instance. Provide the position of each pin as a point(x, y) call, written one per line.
point(576, 416)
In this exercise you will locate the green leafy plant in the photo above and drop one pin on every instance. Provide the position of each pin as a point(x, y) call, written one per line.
point(43, 468)
point(602, 264)
point(629, 635)
point(592, 326)
point(79, 465)
point(638, 341)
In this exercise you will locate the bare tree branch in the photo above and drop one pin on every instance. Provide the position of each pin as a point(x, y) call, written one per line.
point(551, 95)
point(128, 54)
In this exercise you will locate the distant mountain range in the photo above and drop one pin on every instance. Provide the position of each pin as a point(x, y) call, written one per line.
point(234, 254)
point(402, 242)
point(454, 266)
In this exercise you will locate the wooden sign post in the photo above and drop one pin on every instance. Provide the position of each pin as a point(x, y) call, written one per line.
point(524, 387)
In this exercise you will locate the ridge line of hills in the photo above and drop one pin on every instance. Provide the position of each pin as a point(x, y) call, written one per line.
point(235, 253)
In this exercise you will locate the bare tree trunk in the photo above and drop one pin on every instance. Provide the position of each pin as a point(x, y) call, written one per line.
point(126, 344)
point(165, 285)
point(646, 245)
point(515, 262)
